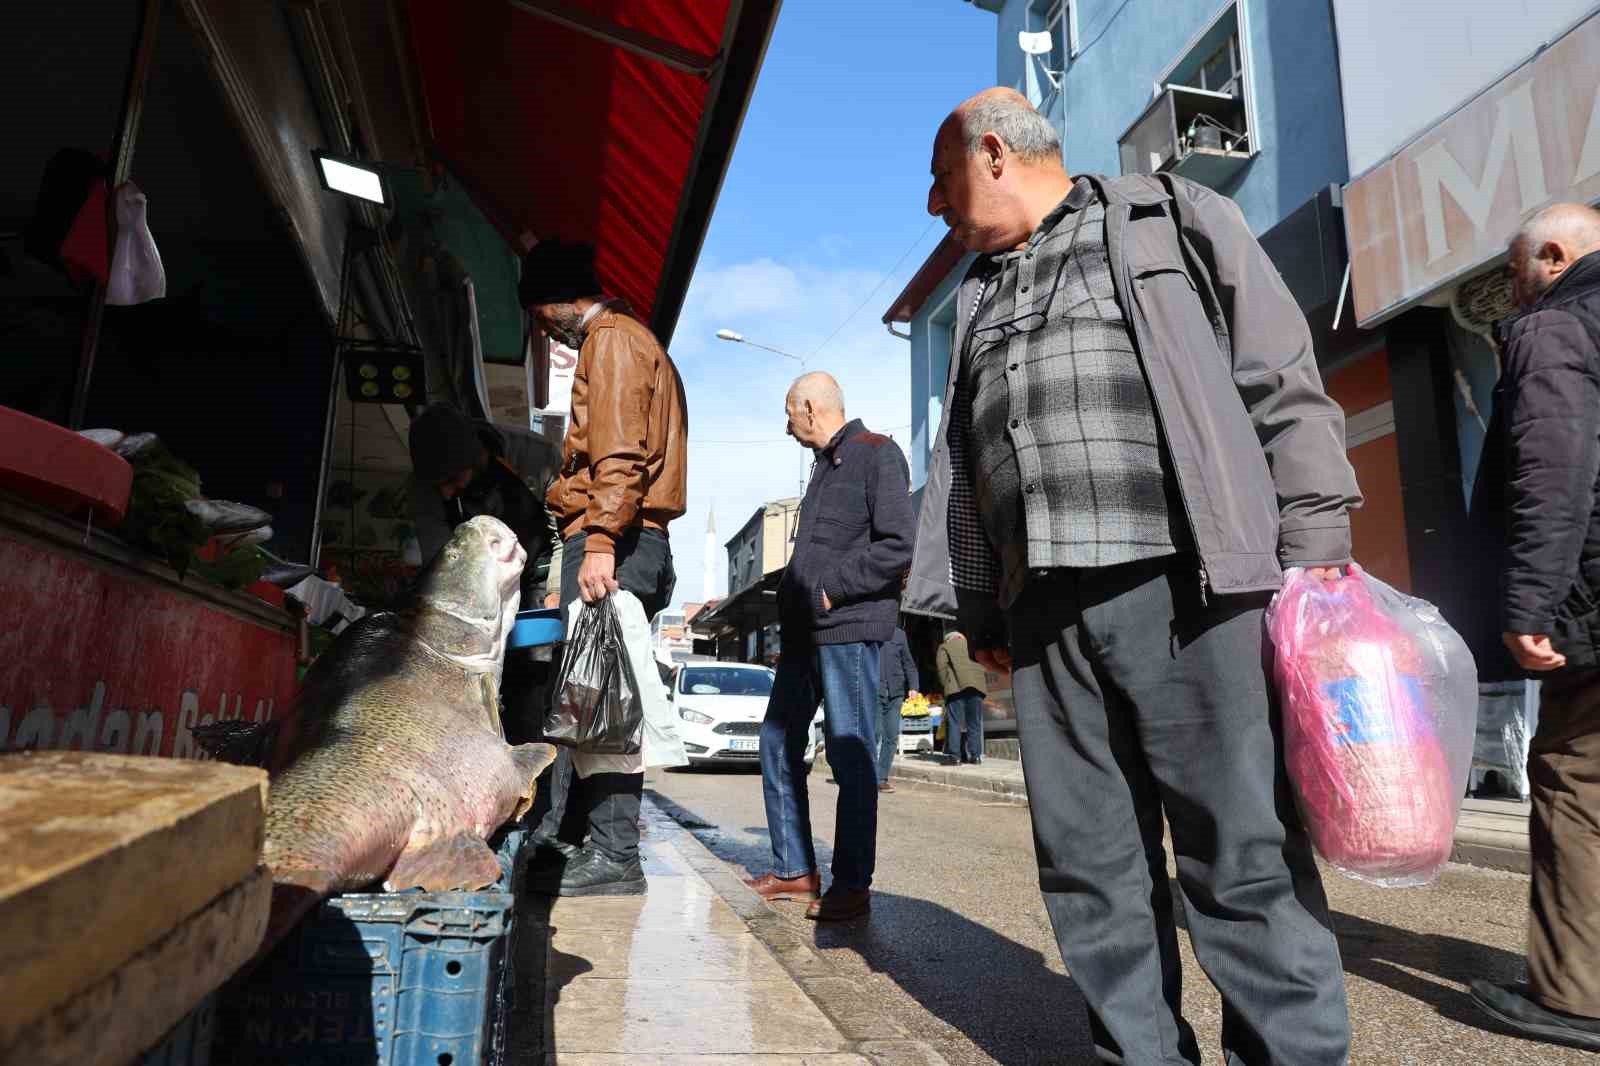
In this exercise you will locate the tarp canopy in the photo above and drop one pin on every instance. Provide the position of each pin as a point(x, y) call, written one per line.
point(603, 120)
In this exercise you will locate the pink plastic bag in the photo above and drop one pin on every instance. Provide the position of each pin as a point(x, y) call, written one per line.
point(1380, 703)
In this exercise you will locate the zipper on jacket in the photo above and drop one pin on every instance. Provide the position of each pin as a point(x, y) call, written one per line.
point(1161, 417)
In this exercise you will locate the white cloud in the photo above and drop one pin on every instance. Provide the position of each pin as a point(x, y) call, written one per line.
point(735, 392)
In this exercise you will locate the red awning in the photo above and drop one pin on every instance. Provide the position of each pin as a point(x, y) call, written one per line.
point(602, 120)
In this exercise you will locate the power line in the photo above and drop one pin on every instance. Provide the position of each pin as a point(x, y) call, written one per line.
point(881, 281)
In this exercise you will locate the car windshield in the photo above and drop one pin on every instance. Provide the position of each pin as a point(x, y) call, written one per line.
point(725, 681)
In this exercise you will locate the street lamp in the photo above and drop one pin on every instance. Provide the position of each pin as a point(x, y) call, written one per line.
point(739, 338)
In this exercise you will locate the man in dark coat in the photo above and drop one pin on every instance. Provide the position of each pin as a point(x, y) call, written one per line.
point(1542, 471)
point(837, 604)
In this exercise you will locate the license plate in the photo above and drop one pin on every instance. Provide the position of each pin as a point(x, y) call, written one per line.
point(745, 745)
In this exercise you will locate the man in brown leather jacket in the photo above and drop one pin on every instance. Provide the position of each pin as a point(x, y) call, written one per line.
point(622, 480)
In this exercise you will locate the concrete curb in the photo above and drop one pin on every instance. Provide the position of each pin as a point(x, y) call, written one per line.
point(994, 786)
point(880, 1040)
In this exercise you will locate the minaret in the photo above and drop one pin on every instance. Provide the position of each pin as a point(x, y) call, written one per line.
point(708, 590)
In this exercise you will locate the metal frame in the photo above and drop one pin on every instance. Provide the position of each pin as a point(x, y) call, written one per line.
point(144, 47)
point(1246, 65)
point(745, 37)
point(636, 41)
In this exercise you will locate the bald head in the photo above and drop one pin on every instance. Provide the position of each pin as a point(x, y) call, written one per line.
point(997, 171)
point(820, 390)
point(1007, 114)
point(1549, 242)
point(815, 408)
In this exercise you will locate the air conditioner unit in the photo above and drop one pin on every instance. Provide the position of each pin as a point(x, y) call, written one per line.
point(1199, 134)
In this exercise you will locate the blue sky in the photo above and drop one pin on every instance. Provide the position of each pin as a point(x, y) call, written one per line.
point(825, 194)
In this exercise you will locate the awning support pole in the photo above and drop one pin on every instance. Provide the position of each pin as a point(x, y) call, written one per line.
point(144, 47)
point(636, 41)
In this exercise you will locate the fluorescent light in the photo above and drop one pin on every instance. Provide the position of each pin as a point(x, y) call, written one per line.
point(350, 178)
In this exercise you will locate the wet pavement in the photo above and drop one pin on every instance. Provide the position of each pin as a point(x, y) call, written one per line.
point(958, 953)
point(681, 976)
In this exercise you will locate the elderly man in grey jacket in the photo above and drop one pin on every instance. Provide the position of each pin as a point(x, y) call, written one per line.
point(1137, 444)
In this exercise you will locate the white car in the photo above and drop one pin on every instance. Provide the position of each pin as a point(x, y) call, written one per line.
point(720, 707)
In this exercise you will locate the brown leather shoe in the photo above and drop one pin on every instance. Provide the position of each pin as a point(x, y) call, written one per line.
point(840, 904)
point(771, 887)
point(886, 787)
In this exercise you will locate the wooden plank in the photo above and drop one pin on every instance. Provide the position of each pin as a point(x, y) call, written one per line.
point(103, 855)
point(130, 1011)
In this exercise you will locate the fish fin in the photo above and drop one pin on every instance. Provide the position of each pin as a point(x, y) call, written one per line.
point(462, 861)
point(530, 761)
point(244, 743)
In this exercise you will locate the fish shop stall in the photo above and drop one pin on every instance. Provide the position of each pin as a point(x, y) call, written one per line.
point(209, 360)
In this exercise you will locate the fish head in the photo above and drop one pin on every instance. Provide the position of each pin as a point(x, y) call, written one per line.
point(476, 582)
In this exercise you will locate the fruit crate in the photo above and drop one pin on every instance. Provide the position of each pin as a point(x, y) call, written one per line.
point(382, 979)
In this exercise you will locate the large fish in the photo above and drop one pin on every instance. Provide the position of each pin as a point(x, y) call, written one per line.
point(393, 768)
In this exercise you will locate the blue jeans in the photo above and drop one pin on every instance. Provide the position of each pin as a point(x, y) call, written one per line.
point(888, 732)
point(965, 709)
point(845, 676)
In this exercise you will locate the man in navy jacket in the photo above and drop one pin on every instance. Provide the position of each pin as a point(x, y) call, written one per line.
point(838, 603)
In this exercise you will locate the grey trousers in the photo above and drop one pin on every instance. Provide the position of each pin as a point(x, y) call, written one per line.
point(1135, 702)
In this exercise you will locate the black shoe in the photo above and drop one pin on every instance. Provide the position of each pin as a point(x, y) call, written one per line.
point(593, 873)
point(1511, 1006)
point(544, 848)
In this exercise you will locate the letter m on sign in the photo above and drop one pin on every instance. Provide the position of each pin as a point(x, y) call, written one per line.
point(1515, 135)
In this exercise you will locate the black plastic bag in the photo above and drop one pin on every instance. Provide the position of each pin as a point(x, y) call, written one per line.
point(597, 705)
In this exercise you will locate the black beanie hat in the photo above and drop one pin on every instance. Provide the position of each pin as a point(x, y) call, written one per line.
point(555, 272)
point(443, 443)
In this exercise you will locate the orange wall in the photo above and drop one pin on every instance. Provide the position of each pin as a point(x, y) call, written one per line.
point(1378, 528)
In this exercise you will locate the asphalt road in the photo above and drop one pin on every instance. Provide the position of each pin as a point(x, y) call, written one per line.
point(959, 951)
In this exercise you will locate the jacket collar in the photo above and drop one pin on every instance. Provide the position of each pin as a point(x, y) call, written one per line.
point(848, 430)
point(1581, 277)
point(1133, 190)
point(1136, 190)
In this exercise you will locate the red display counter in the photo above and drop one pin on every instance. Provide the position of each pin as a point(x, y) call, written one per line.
point(105, 649)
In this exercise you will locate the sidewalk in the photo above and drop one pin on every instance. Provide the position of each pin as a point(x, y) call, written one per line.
point(1490, 832)
point(698, 971)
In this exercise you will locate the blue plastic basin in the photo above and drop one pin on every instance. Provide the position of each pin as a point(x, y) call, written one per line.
point(537, 627)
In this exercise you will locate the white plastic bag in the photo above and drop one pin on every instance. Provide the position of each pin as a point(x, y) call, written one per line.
point(137, 275)
point(660, 744)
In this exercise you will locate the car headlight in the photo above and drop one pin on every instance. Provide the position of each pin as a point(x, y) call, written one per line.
point(695, 717)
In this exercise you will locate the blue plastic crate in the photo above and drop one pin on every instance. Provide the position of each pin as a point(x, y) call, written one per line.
point(382, 979)
point(189, 1042)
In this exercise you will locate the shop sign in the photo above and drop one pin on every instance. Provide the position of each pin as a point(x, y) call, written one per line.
point(98, 660)
point(1448, 202)
point(563, 367)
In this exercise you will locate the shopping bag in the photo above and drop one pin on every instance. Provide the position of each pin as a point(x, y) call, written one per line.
point(597, 703)
point(1379, 702)
point(137, 275)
